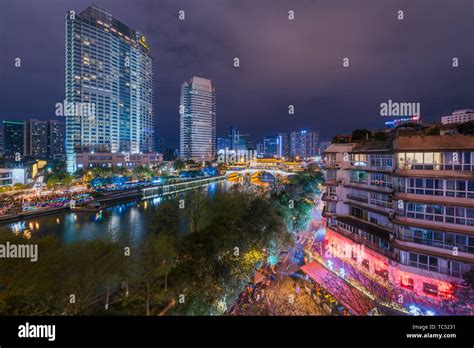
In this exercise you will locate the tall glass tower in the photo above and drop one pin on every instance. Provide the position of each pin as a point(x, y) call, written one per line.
point(198, 120)
point(109, 86)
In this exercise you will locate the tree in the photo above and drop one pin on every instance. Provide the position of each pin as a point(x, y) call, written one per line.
point(361, 134)
point(195, 204)
point(99, 172)
point(52, 182)
point(80, 173)
point(219, 257)
point(19, 186)
point(149, 276)
point(65, 279)
point(466, 128)
point(120, 170)
point(433, 131)
point(179, 165)
point(167, 218)
point(380, 136)
point(142, 173)
point(59, 179)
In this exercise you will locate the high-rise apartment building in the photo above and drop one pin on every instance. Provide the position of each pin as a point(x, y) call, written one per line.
point(304, 144)
point(260, 150)
point(56, 133)
point(223, 143)
point(198, 120)
point(44, 139)
point(273, 146)
point(285, 144)
point(2, 142)
point(410, 201)
point(109, 86)
point(14, 139)
point(36, 138)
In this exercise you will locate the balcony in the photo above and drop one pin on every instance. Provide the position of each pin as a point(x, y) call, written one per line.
point(370, 187)
point(433, 171)
point(370, 168)
point(358, 198)
point(442, 226)
point(457, 201)
point(363, 241)
point(437, 244)
point(435, 269)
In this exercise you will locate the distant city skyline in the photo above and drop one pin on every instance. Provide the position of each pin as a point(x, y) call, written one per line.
point(282, 62)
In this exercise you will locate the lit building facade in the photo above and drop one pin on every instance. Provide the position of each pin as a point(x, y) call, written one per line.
point(56, 138)
point(36, 138)
point(410, 200)
point(44, 139)
point(223, 143)
point(304, 144)
point(273, 146)
point(107, 160)
point(198, 120)
point(13, 139)
point(109, 86)
point(458, 116)
point(1, 143)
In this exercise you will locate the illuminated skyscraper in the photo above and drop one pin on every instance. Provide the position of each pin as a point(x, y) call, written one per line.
point(109, 86)
point(14, 139)
point(273, 146)
point(198, 120)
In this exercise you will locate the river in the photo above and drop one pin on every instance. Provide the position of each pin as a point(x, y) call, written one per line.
point(129, 221)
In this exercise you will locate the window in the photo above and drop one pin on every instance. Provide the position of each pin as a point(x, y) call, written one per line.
point(381, 160)
point(440, 213)
point(359, 177)
point(436, 160)
point(359, 159)
point(380, 199)
point(380, 179)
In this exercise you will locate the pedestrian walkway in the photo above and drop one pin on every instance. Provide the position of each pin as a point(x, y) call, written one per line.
point(350, 297)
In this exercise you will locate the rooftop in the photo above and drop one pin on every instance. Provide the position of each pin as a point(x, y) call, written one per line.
point(434, 142)
point(376, 146)
point(201, 84)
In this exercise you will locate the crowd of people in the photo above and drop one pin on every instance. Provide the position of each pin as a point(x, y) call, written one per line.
point(326, 300)
point(254, 292)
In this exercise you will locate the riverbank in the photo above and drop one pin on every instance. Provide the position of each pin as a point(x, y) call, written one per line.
point(107, 199)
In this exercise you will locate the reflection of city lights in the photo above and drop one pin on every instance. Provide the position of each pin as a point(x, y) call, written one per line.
point(342, 272)
point(430, 313)
point(330, 264)
point(18, 226)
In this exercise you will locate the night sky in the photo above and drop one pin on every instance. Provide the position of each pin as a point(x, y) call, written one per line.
point(283, 62)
